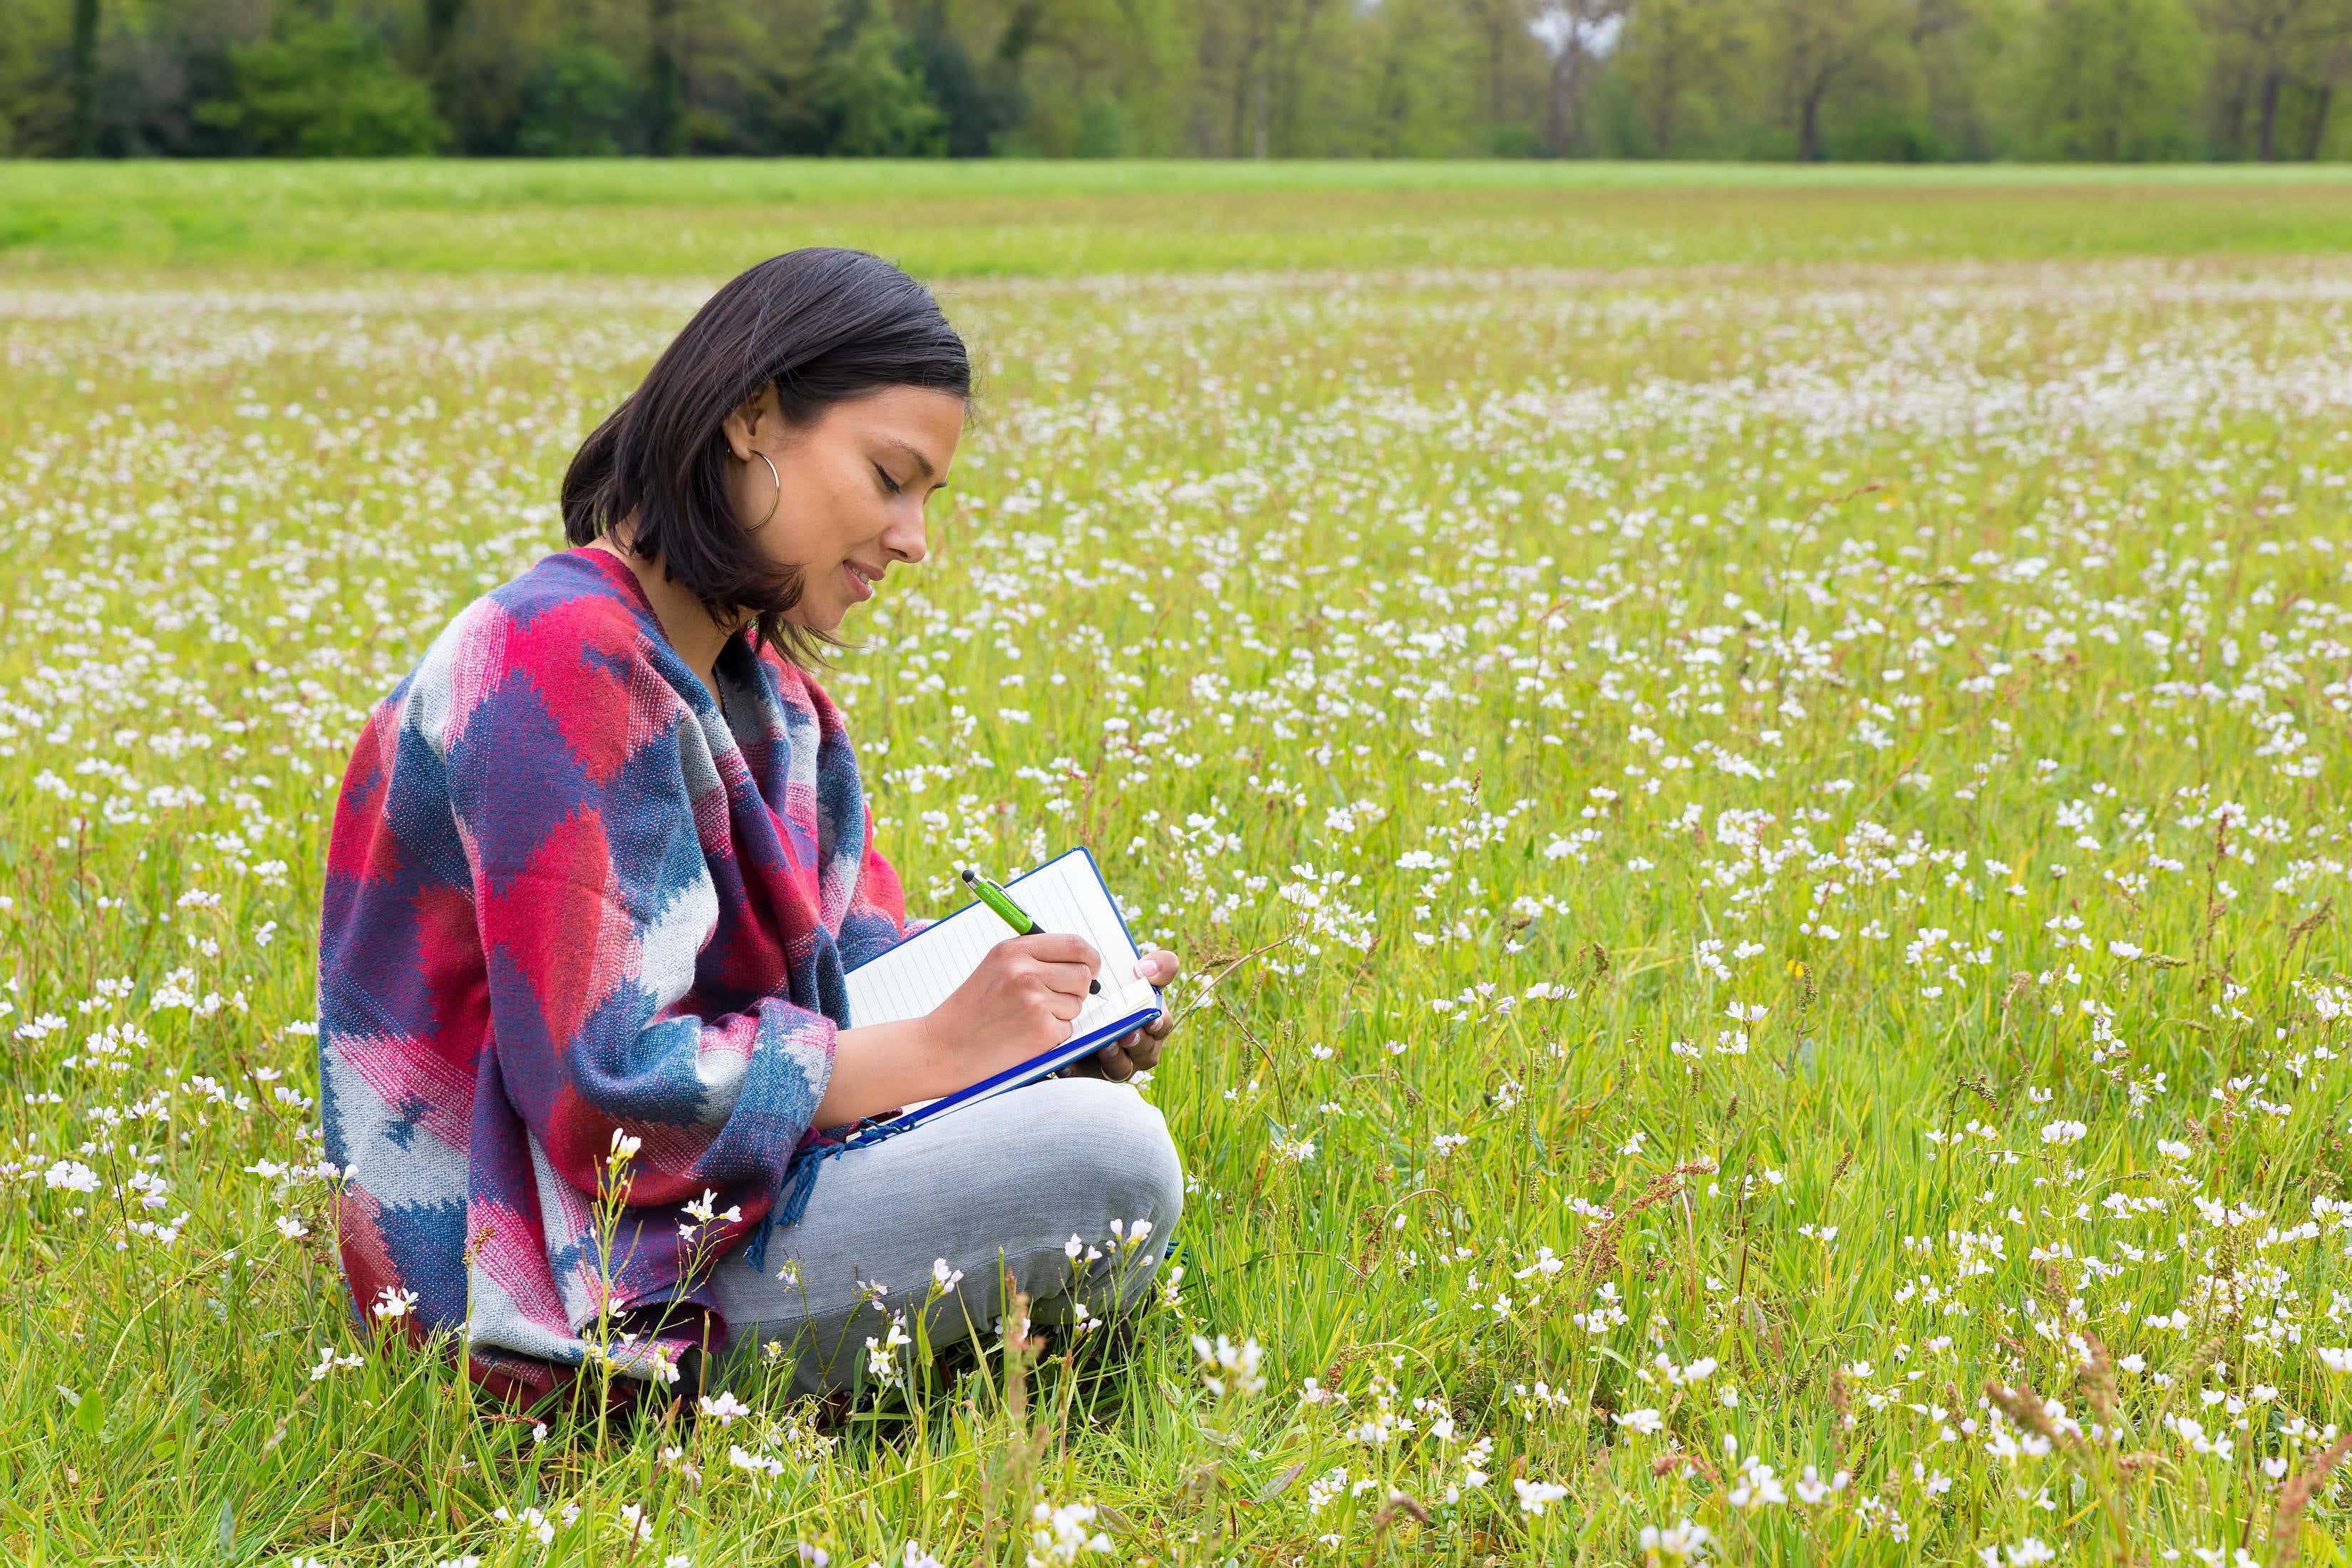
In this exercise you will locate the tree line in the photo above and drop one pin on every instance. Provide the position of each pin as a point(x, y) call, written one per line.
point(1885, 80)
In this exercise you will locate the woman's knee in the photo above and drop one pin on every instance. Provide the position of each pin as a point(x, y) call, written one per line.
point(1114, 1144)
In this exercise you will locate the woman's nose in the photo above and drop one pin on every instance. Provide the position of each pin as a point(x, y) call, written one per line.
point(906, 538)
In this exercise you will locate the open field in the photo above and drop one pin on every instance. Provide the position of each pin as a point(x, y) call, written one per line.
point(993, 217)
point(1774, 842)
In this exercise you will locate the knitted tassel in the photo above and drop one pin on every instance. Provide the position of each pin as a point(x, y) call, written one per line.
point(789, 1202)
point(800, 1180)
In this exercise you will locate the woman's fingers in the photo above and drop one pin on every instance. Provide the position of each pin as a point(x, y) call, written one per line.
point(1130, 1054)
point(1159, 967)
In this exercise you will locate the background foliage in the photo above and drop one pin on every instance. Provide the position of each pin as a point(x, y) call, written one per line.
point(1900, 80)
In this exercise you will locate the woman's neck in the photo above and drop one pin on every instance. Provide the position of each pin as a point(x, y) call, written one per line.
point(697, 638)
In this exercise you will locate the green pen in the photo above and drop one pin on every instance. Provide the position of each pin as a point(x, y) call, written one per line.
point(997, 899)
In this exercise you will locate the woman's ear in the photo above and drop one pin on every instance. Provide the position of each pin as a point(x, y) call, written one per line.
point(748, 420)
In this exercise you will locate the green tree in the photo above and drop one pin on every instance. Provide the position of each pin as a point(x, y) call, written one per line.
point(324, 87)
point(664, 82)
point(2116, 79)
point(576, 103)
point(1969, 74)
point(1261, 64)
point(2270, 54)
point(1581, 34)
point(976, 105)
point(85, 77)
point(1511, 73)
point(1682, 58)
point(1065, 78)
point(868, 96)
point(1423, 71)
point(1102, 127)
point(1825, 47)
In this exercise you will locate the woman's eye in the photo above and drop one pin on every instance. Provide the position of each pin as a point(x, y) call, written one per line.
point(888, 482)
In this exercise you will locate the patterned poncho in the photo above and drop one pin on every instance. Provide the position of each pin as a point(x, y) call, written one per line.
point(565, 896)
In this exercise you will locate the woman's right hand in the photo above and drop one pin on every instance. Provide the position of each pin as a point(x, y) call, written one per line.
point(1016, 1004)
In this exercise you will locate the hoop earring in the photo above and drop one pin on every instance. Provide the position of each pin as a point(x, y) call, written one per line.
point(780, 490)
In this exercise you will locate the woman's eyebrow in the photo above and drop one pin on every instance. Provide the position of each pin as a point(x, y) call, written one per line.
point(922, 464)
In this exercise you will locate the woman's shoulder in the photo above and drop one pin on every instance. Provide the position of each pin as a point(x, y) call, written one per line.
point(585, 594)
point(571, 631)
point(573, 603)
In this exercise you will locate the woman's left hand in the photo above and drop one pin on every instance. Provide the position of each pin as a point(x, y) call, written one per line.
point(1139, 1049)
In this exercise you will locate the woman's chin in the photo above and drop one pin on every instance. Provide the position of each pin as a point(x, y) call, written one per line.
point(825, 622)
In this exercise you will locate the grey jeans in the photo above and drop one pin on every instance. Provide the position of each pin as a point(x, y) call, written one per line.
point(1006, 1182)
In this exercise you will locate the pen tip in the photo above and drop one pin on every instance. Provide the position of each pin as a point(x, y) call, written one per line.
point(1094, 987)
point(967, 873)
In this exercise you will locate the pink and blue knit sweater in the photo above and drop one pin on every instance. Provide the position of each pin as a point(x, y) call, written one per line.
point(565, 895)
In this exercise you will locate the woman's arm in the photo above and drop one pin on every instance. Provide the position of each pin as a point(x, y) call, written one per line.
point(882, 1067)
point(1018, 1003)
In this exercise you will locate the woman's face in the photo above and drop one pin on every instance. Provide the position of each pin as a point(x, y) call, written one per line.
point(855, 482)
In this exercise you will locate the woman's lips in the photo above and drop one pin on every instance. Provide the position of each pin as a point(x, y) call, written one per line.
point(860, 585)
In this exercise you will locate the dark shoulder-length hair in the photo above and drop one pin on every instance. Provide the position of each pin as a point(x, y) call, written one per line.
point(820, 325)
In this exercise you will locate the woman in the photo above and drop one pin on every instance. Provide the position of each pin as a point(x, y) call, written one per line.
point(598, 865)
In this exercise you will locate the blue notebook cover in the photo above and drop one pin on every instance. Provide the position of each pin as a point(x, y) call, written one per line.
point(1076, 1048)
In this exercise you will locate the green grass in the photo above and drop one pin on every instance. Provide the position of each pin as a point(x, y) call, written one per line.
point(1950, 660)
point(708, 219)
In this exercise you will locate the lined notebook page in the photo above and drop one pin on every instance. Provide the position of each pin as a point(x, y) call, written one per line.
point(1065, 894)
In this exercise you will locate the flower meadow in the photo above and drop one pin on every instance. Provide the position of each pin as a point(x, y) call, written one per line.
point(1758, 856)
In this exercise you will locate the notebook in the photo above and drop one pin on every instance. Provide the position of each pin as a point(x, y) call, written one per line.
point(913, 977)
